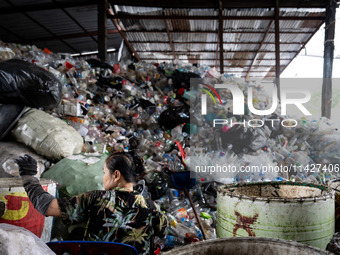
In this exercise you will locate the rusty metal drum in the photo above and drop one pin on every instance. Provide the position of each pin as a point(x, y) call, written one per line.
point(246, 246)
point(286, 210)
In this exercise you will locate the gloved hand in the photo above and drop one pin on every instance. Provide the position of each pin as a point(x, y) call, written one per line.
point(40, 199)
point(27, 165)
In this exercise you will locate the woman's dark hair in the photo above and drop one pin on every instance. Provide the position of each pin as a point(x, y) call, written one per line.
point(129, 164)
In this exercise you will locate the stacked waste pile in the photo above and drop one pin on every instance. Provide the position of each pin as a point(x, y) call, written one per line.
point(87, 109)
point(113, 109)
point(274, 147)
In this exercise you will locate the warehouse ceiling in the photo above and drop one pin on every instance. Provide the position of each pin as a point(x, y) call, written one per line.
point(61, 26)
point(166, 30)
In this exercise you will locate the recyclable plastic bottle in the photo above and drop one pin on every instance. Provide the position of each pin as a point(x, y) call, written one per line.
point(194, 232)
point(180, 229)
point(79, 124)
point(152, 165)
point(172, 241)
point(178, 210)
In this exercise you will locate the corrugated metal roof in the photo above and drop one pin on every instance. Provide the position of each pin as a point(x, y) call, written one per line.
point(87, 17)
point(150, 37)
point(194, 40)
point(248, 12)
point(53, 28)
point(138, 10)
point(236, 50)
point(22, 26)
point(19, 2)
point(56, 21)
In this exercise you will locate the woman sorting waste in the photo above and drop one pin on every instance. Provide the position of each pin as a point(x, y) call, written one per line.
point(116, 214)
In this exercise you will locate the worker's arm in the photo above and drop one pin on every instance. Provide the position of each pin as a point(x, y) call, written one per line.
point(72, 209)
point(54, 209)
point(42, 201)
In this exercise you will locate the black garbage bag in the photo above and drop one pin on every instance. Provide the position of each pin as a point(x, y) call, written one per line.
point(182, 80)
point(149, 107)
point(97, 63)
point(9, 114)
point(24, 83)
point(174, 116)
point(244, 139)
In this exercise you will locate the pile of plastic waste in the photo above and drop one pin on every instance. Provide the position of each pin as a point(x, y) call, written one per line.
point(272, 147)
point(153, 108)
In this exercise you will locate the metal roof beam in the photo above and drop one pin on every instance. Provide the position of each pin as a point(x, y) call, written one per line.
point(216, 51)
point(226, 4)
point(259, 48)
point(210, 51)
point(68, 36)
point(268, 77)
point(254, 66)
point(298, 52)
point(214, 32)
point(213, 59)
point(169, 37)
point(46, 6)
point(240, 71)
point(212, 17)
point(115, 22)
point(220, 35)
point(201, 42)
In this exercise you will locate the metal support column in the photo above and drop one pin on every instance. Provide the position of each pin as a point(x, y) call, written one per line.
point(220, 34)
point(102, 29)
point(328, 59)
point(277, 48)
point(170, 40)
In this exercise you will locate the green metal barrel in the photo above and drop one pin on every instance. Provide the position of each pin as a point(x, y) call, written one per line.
point(286, 210)
point(246, 246)
point(335, 185)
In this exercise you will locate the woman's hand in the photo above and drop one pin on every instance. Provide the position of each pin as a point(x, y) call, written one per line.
point(27, 165)
point(44, 202)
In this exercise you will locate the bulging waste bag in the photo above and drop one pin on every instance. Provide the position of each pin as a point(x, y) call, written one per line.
point(24, 83)
point(77, 174)
point(47, 135)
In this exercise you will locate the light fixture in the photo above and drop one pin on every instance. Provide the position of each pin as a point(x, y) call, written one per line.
point(90, 53)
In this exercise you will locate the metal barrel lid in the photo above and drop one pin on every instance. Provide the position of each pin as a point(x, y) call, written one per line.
point(277, 191)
